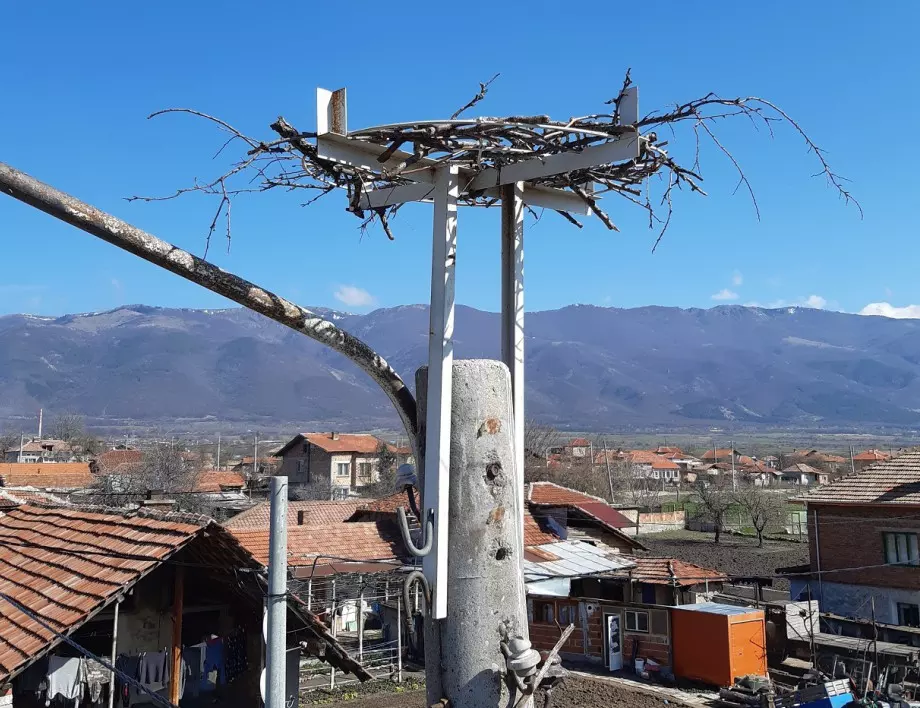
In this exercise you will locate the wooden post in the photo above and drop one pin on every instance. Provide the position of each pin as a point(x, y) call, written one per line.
point(175, 674)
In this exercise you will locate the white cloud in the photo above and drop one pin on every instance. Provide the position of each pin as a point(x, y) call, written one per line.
point(725, 294)
point(353, 296)
point(815, 301)
point(884, 309)
point(737, 278)
point(116, 284)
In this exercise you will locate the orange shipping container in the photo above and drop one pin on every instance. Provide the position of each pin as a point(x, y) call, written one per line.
point(716, 643)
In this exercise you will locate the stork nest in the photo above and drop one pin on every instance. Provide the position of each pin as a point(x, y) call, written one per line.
point(291, 160)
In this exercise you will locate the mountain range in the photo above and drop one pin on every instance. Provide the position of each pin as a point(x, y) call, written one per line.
point(588, 368)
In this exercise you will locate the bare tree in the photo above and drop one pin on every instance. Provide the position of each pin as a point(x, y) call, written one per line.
point(8, 441)
point(67, 427)
point(764, 508)
point(385, 483)
point(165, 469)
point(715, 499)
point(631, 486)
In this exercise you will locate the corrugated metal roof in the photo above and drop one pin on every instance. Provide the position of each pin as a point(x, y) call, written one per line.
point(66, 563)
point(715, 608)
point(574, 559)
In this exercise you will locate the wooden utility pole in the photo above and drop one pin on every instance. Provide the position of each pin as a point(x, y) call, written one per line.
point(609, 475)
point(175, 675)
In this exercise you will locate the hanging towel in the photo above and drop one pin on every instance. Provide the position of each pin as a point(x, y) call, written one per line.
point(65, 679)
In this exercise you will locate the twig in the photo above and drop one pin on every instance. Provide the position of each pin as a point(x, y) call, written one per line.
point(483, 90)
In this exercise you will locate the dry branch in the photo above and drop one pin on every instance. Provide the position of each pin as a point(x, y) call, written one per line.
point(291, 161)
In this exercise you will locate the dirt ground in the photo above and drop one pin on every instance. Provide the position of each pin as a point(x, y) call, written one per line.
point(734, 554)
point(575, 692)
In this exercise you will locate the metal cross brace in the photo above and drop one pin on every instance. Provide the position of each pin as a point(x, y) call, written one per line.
point(443, 184)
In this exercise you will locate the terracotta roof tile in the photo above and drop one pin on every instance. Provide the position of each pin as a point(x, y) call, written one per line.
point(67, 563)
point(801, 468)
point(316, 513)
point(717, 454)
point(46, 475)
point(533, 534)
point(580, 442)
point(118, 461)
point(361, 443)
point(215, 481)
point(872, 456)
point(357, 541)
point(892, 482)
point(656, 572)
point(550, 493)
point(647, 457)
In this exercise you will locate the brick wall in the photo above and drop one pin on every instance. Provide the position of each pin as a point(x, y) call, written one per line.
point(845, 544)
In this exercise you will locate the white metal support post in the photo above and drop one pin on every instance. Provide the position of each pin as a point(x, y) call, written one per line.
point(276, 641)
point(512, 196)
point(440, 362)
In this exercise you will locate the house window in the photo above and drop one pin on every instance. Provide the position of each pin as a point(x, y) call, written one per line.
point(568, 614)
point(364, 470)
point(908, 615)
point(343, 469)
point(300, 468)
point(901, 548)
point(636, 621)
point(544, 612)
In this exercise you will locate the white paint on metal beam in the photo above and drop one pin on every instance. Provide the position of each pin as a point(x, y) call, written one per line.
point(535, 196)
point(360, 153)
point(512, 324)
point(400, 194)
point(624, 148)
point(440, 380)
point(331, 111)
point(629, 106)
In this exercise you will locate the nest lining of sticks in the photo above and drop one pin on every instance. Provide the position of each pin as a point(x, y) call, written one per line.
point(291, 160)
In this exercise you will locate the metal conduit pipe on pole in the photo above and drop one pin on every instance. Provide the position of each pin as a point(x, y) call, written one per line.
point(276, 605)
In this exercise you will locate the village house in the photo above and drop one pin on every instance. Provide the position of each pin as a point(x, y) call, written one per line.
point(143, 586)
point(650, 465)
point(865, 458)
point(863, 542)
point(117, 461)
point(833, 464)
point(335, 465)
point(575, 449)
point(45, 450)
point(720, 454)
point(803, 475)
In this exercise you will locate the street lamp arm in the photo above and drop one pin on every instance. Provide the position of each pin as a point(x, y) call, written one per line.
point(119, 233)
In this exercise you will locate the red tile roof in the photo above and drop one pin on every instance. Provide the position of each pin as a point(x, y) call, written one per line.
point(647, 457)
point(657, 571)
point(533, 534)
point(801, 468)
point(580, 442)
point(549, 493)
point(46, 475)
point(215, 481)
point(358, 541)
point(118, 461)
point(59, 562)
point(894, 482)
point(316, 513)
point(717, 454)
point(360, 443)
point(872, 456)
point(670, 451)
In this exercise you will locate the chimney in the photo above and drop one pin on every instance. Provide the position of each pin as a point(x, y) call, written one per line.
point(335, 435)
point(156, 499)
point(300, 514)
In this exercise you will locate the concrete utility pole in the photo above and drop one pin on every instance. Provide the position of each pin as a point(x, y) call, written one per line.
point(276, 604)
point(485, 585)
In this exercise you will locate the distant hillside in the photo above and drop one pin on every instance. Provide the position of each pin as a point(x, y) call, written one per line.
point(587, 367)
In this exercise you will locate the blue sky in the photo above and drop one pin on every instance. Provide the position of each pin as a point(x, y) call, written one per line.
point(80, 79)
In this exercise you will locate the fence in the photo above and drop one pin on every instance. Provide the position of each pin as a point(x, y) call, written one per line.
point(366, 615)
